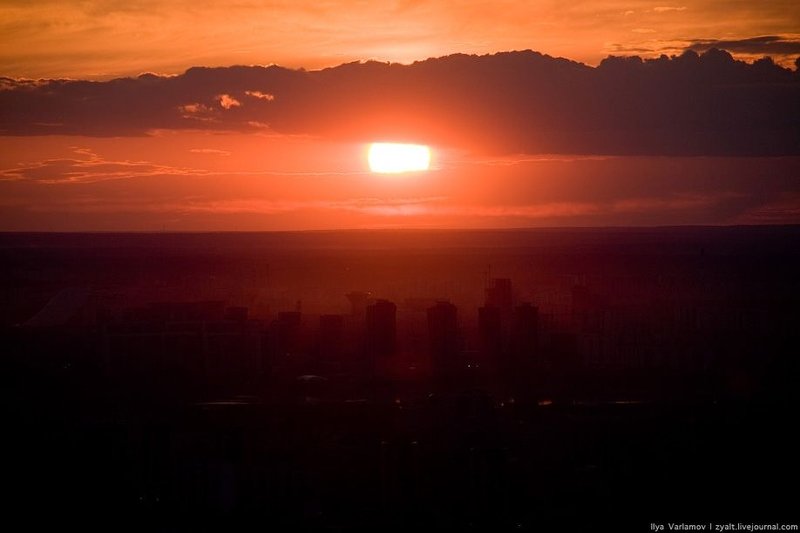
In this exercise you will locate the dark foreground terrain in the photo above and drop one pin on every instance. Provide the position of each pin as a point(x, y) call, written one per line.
point(531, 380)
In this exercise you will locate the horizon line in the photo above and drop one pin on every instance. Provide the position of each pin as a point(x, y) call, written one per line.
point(403, 229)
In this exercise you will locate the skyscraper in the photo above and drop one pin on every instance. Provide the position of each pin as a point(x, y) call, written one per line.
point(444, 337)
point(381, 328)
point(500, 295)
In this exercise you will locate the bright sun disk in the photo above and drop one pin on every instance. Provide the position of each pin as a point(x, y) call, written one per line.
point(393, 158)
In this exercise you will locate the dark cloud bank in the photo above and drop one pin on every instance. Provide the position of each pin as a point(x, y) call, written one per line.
point(764, 44)
point(504, 103)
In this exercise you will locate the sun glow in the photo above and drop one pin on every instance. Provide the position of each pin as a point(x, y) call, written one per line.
point(393, 158)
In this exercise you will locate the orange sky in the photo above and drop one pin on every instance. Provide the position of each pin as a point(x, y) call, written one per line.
point(102, 38)
point(282, 150)
point(199, 181)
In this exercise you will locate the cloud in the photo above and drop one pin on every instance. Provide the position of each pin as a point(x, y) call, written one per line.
point(227, 101)
point(439, 206)
point(521, 159)
point(505, 103)
point(389, 207)
point(600, 208)
point(88, 167)
point(783, 49)
point(197, 111)
point(210, 151)
point(262, 96)
point(762, 45)
point(200, 205)
point(782, 210)
point(528, 191)
point(667, 9)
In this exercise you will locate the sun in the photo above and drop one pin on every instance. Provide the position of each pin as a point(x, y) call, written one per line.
point(393, 158)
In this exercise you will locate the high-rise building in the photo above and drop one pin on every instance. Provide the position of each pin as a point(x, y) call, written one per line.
point(285, 333)
point(358, 302)
point(445, 340)
point(490, 326)
point(330, 337)
point(381, 328)
point(525, 333)
point(500, 296)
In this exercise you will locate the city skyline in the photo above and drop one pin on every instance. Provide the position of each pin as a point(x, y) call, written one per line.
point(448, 265)
point(484, 380)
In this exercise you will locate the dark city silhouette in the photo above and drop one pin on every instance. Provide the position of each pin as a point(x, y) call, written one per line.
point(407, 266)
point(610, 371)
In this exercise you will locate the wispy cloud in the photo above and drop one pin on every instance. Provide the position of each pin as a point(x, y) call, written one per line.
point(784, 209)
point(200, 205)
point(583, 191)
point(521, 159)
point(89, 167)
point(261, 96)
point(667, 9)
point(197, 111)
point(210, 151)
point(555, 210)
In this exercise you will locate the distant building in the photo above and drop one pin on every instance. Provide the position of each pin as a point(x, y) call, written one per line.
point(525, 333)
point(184, 345)
point(70, 307)
point(292, 318)
point(285, 334)
point(358, 303)
point(564, 351)
point(500, 296)
point(490, 327)
point(443, 333)
point(236, 314)
point(199, 311)
point(381, 328)
point(330, 336)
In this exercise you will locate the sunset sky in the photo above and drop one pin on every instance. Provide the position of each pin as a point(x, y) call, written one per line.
point(517, 139)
